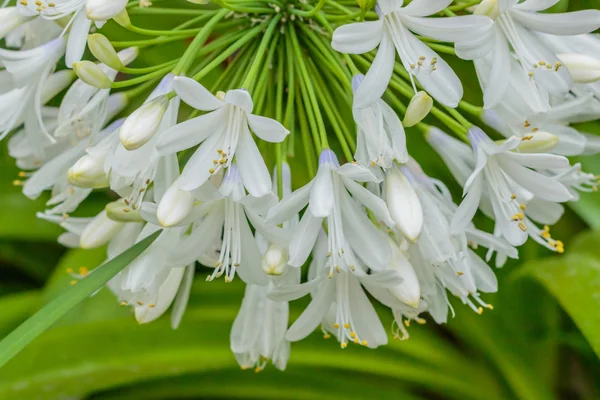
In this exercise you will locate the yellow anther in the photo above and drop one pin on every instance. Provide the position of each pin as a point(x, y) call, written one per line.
point(330, 274)
point(352, 335)
point(535, 129)
point(73, 282)
point(22, 174)
point(356, 341)
point(17, 182)
point(559, 243)
point(83, 271)
point(365, 343)
point(337, 269)
point(126, 209)
point(513, 196)
point(336, 325)
point(522, 207)
point(123, 304)
point(459, 273)
point(542, 63)
point(344, 345)
point(139, 303)
point(480, 310)
point(151, 305)
point(523, 227)
point(347, 325)
point(526, 124)
point(489, 307)
point(421, 321)
point(514, 217)
point(69, 270)
point(257, 370)
point(531, 74)
point(407, 322)
point(327, 336)
point(212, 170)
point(521, 216)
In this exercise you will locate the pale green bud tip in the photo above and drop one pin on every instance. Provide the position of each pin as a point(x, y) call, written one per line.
point(488, 8)
point(538, 142)
point(583, 68)
point(274, 261)
point(88, 172)
point(92, 74)
point(123, 18)
point(418, 108)
point(99, 232)
point(142, 125)
point(103, 50)
point(121, 211)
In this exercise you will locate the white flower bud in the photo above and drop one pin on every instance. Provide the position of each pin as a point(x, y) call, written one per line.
point(104, 51)
point(141, 126)
point(418, 108)
point(103, 10)
point(409, 291)
point(120, 211)
point(174, 206)
point(538, 142)
point(122, 18)
point(488, 8)
point(583, 68)
point(403, 203)
point(99, 232)
point(88, 172)
point(92, 74)
point(274, 261)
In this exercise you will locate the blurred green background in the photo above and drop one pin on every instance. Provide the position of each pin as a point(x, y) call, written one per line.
point(541, 341)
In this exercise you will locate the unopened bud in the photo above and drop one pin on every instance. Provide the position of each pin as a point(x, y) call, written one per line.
point(274, 261)
point(88, 172)
point(488, 8)
point(538, 142)
point(417, 109)
point(583, 68)
point(120, 211)
point(366, 4)
point(403, 203)
point(174, 206)
point(92, 74)
point(141, 126)
point(103, 50)
point(122, 18)
point(103, 10)
point(99, 232)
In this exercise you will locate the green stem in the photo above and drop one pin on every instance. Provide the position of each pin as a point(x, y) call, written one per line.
point(257, 63)
point(310, 13)
point(306, 138)
point(188, 57)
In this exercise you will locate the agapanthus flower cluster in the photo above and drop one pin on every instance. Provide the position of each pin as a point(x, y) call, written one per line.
point(276, 141)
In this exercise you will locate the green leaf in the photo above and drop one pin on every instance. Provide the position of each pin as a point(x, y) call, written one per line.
point(575, 282)
point(49, 314)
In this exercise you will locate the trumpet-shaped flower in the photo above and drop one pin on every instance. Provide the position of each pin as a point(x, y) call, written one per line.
point(394, 29)
point(223, 133)
point(335, 195)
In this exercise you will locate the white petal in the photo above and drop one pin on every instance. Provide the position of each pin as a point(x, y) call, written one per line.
point(535, 5)
point(250, 269)
point(321, 195)
point(423, 8)
point(538, 161)
point(253, 170)
point(191, 132)
point(497, 81)
point(240, 98)
point(468, 207)
point(289, 206)
point(77, 38)
point(366, 321)
point(396, 132)
point(570, 23)
point(538, 184)
point(295, 291)
point(248, 323)
point(196, 95)
point(357, 172)
point(378, 77)
point(357, 38)
point(369, 200)
point(197, 170)
point(183, 295)
point(453, 29)
point(314, 313)
point(267, 128)
point(485, 279)
point(304, 237)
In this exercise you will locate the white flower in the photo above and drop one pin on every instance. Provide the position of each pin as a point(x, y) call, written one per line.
point(515, 25)
point(393, 29)
point(334, 194)
point(29, 72)
point(223, 133)
point(80, 20)
point(380, 136)
point(222, 214)
point(338, 301)
point(143, 123)
point(504, 175)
